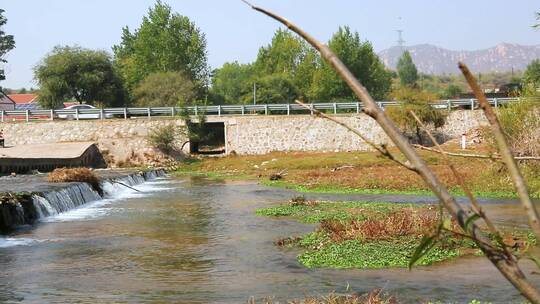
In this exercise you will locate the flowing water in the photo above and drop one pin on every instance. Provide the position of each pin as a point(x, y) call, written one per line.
point(191, 240)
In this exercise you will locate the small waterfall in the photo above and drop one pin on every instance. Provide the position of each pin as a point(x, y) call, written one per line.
point(27, 209)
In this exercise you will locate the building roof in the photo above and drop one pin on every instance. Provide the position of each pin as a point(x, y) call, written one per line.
point(23, 98)
point(4, 99)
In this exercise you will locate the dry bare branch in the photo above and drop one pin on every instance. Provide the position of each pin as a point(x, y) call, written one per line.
point(508, 267)
point(468, 155)
point(506, 154)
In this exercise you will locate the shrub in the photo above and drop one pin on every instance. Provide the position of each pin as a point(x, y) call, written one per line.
point(522, 127)
point(164, 138)
point(69, 175)
point(412, 99)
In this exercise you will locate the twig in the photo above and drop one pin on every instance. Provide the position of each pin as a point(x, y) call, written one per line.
point(506, 153)
point(485, 156)
point(342, 167)
point(116, 182)
point(381, 148)
point(509, 268)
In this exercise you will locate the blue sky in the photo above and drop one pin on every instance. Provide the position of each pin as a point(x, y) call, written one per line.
point(235, 32)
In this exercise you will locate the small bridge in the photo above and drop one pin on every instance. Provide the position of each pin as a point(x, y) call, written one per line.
point(221, 110)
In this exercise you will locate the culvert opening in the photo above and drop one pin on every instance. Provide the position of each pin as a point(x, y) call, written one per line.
point(212, 140)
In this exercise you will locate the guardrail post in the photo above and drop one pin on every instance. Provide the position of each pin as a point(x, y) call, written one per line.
point(472, 104)
point(357, 108)
point(449, 105)
point(265, 109)
point(311, 108)
point(52, 114)
point(149, 113)
point(335, 108)
point(125, 113)
point(243, 109)
point(77, 114)
point(27, 115)
point(219, 110)
point(379, 104)
point(288, 109)
point(495, 102)
point(172, 111)
point(196, 110)
point(101, 114)
point(2, 116)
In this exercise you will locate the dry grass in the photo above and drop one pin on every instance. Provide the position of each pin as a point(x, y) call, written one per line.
point(374, 297)
point(302, 201)
point(68, 175)
point(407, 222)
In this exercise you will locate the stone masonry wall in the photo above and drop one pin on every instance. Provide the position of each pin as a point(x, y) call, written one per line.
point(244, 134)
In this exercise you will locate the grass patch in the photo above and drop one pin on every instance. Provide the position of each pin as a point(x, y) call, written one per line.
point(374, 235)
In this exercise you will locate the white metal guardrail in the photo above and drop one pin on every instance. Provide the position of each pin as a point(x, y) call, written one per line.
point(219, 110)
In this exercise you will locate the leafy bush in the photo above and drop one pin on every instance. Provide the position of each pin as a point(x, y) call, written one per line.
point(412, 99)
point(164, 138)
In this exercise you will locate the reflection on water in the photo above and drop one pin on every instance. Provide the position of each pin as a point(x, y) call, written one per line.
point(197, 241)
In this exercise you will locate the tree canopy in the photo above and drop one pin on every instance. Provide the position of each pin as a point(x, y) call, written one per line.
point(232, 82)
point(290, 64)
point(7, 43)
point(361, 60)
point(165, 42)
point(408, 74)
point(76, 73)
point(164, 89)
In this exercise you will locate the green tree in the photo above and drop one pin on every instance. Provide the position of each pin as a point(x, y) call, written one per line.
point(232, 81)
point(452, 91)
point(275, 88)
point(77, 73)
point(164, 89)
point(291, 57)
point(361, 60)
point(532, 73)
point(408, 74)
point(413, 99)
point(165, 42)
point(7, 43)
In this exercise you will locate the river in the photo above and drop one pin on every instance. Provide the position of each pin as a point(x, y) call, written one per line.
point(193, 240)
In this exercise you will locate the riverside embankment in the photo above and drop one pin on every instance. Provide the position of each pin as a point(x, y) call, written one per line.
point(27, 199)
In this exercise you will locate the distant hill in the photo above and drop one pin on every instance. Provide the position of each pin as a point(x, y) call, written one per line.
point(431, 59)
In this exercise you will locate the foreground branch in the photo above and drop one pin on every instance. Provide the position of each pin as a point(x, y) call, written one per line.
point(506, 153)
point(507, 267)
point(467, 155)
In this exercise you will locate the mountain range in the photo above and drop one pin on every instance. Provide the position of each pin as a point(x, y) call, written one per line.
point(431, 59)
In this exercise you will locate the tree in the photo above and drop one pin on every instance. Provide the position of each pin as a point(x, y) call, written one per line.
point(7, 43)
point(165, 42)
point(361, 60)
point(413, 99)
point(532, 73)
point(452, 91)
point(274, 88)
point(408, 74)
point(232, 81)
point(164, 89)
point(291, 58)
point(77, 73)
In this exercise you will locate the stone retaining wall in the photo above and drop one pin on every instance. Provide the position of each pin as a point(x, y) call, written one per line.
point(244, 134)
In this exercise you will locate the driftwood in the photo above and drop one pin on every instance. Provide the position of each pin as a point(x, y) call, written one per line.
point(279, 175)
point(341, 168)
point(484, 156)
point(507, 265)
point(120, 183)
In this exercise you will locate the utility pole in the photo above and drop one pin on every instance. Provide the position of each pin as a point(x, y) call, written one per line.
point(400, 41)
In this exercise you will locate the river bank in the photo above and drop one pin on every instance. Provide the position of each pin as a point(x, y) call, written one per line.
point(361, 173)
